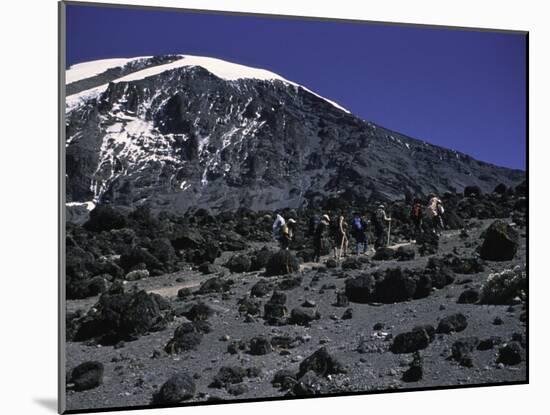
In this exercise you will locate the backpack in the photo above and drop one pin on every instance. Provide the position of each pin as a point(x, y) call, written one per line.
point(416, 210)
point(357, 225)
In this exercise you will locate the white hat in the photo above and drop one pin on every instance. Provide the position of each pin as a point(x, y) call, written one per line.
point(291, 221)
point(326, 217)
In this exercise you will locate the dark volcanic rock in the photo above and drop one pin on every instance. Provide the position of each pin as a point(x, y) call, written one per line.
point(259, 259)
point(123, 317)
point(199, 312)
point(411, 341)
point(282, 263)
point(462, 349)
point(289, 283)
point(415, 371)
point(239, 263)
point(303, 316)
point(249, 306)
point(284, 378)
point(179, 387)
point(215, 285)
point(322, 363)
point(455, 322)
point(384, 254)
point(397, 285)
point(341, 299)
point(348, 314)
point(308, 384)
point(510, 354)
point(104, 218)
point(469, 296)
point(351, 263)
point(405, 253)
point(465, 265)
point(489, 343)
point(360, 289)
point(428, 243)
point(228, 375)
point(87, 375)
point(472, 191)
point(500, 242)
point(187, 337)
point(260, 289)
point(259, 346)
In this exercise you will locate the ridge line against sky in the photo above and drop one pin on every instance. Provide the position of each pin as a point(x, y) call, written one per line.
point(463, 90)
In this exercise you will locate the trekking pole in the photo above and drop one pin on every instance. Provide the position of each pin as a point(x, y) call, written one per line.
point(389, 229)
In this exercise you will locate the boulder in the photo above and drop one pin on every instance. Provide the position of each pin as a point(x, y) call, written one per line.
point(500, 242)
point(351, 262)
point(282, 263)
point(303, 316)
point(87, 375)
point(208, 268)
point(341, 299)
point(469, 296)
point(472, 191)
point(411, 341)
point(308, 384)
point(397, 285)
point(404, 253)
point(289, 283)
point(178, 388)
point(199, 312)
point(322, 363)
point(360, 289)
point(239, 263)
point(124, 316)
point(259, 259)
point(187, 336)
point(348, 314)
point(215, 285)
point(428, 243)
point(415, 371)
point(261, 289)
point(104, 218)
point(138, 274)
point(284, 378)
point(489, 343)
point(384, 254)
point(228, 375)
point(462, 349)
point(259, 346)
point(453, 323)
point(510, 354)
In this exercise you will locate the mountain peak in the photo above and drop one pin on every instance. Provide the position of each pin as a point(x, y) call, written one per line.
point(222, 69)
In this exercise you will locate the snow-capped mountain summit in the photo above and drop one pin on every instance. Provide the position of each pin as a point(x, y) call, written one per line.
point(178, 131)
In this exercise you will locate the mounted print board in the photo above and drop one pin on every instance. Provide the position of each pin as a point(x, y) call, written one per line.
point(260, 207)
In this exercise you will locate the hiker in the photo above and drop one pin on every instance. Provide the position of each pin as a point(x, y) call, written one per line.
point(416, 216)
point(277, 225)
point(320, 232)
point(340, 237)
point(435, 209)
point(287, 233)
point(312, 225)
point(380, 220)
point(359, 232)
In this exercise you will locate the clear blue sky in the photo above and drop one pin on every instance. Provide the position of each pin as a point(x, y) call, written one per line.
point(464, 90)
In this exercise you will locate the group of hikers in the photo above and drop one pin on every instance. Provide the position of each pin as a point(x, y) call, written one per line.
point(336, 229)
